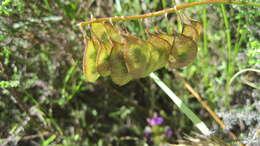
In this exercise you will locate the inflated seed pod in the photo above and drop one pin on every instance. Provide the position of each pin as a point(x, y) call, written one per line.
point(104, 47)
point(89, 61)
point(119, 72)
point(98, 30)
point(159, 52)
point(105, 33)
point(190, 31)
point(113, 34)
point(167, 37)
point(198, 26)
point(137, 55)
point(186, 50)
point(170, 39)
point(102, 60)
point(126, 57)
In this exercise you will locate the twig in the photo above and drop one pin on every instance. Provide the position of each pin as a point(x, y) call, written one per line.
point(169, 10)
point(205, 106)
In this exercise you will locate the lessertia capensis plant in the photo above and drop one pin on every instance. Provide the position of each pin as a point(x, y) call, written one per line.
point(125, 57)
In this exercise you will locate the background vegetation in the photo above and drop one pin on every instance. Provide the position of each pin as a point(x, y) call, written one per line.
point(44, 99)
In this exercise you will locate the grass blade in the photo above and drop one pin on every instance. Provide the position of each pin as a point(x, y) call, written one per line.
point(188, 112)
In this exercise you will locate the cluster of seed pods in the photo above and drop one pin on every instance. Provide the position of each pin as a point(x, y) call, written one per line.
point(124, 57)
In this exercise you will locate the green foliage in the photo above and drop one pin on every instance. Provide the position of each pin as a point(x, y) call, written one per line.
point(253, 52)
point(9, 7)
point(9, 84)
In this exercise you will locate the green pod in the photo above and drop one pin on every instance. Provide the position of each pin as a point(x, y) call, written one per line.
point(159, 53)
point(170, 39)
point(190, 31)
point(167, 37)
point(89, 62)
point(119, 72)
point(102, 60)
point(113, 34)
point(186, 50)
point(99, 32)
point(193, 30)
point(137, 56)
point(198, 26)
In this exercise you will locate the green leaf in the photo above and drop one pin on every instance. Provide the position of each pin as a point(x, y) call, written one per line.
point(49, 140)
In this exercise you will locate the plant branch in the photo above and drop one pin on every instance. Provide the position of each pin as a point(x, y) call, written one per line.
point(169, 10)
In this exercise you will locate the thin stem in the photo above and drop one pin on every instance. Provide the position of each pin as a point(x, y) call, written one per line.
point(229, 66)
point(241, 72)
point(205, 27)
point(169, 10)
point(205, 106)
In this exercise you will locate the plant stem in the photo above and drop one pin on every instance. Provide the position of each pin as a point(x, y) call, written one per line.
point(230, 55)
point(193, 117)
point(205, 105)
point(169, 10)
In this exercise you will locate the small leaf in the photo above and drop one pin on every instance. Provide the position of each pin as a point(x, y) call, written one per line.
point(119, 72)
point(89, 62)
point(137, 56)
point(186, 51)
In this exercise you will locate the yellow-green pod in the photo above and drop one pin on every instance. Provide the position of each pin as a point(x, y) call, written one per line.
point(159, 53)
point(190, 31)
point(114, 34)
point(198, 26)
point(137, 56)
point(167, 37)
point(89, 62)
point(170, 39)
point(99, 31)
point(186, 50)
point(119, 72)
point(103, 55)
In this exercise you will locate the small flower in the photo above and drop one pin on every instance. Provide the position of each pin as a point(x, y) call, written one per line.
point(156, 120)
point(168, 132)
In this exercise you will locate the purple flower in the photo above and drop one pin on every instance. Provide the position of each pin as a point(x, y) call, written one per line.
point(168, 132)
point(155, 121)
